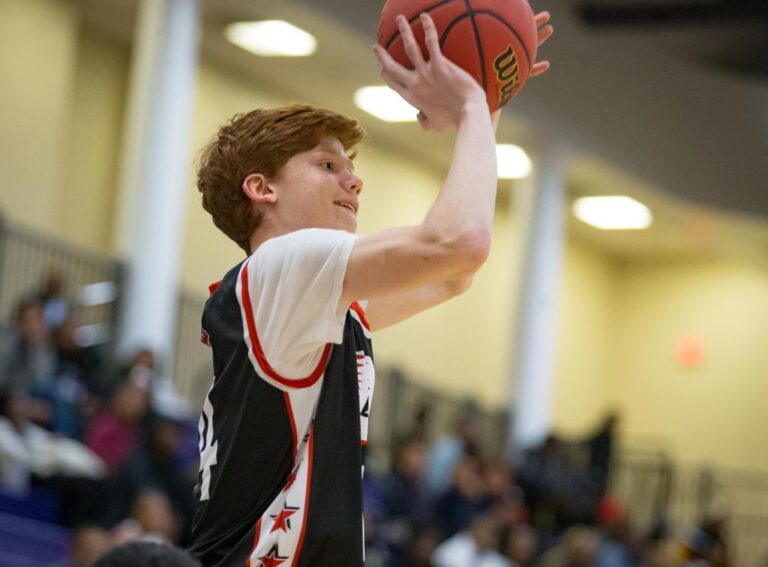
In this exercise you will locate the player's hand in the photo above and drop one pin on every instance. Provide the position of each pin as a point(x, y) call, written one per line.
point(439, 88)
point(545, 32)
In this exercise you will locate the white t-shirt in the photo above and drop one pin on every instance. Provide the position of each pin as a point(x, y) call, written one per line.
point(295, 283)
point(461, 551)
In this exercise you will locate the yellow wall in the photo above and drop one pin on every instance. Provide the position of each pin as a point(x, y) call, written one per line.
point(38, 46)
point(714, 413)
point(87, 212)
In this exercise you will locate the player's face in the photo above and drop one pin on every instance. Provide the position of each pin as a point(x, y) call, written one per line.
point(318, 189)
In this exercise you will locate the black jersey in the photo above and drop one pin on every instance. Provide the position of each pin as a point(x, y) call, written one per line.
point(281, 460)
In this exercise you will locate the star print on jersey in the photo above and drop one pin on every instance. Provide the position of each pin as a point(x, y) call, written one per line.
point(365, 381)
point(272, 558)
point(282, 521)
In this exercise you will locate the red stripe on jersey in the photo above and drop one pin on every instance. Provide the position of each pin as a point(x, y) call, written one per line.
point(289, 409)
point(259, 353)
point(255, 542)
point(310, 453)
point(214, 286)
point(360, 313)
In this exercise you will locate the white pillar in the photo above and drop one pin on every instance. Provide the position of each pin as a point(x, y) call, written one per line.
point(155, 170)
point(539, 208)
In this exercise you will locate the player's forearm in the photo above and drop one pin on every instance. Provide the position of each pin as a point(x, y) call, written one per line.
point(463, 211)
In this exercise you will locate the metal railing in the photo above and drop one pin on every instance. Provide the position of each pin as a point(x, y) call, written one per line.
point(653, 487)
point(28, 257)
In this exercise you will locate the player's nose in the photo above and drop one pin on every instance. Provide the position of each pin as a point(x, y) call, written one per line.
point(353, 183)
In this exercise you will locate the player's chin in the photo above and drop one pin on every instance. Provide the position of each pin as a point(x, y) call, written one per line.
point(347, 222)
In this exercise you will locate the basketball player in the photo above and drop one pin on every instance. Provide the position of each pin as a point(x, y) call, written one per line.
point(284, 425)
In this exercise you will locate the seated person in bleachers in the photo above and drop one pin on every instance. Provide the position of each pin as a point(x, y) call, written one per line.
point(154, 464)
point(476, 546)
point(152, 518)
point(27, 450)
point(55, 306)
point(28, 359)
point(117, 431)
point(466, 499)
point(34, 458)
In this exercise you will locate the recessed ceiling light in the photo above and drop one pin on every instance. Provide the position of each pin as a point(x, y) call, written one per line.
point(613, 213)
point(513, 162)
point(385, 104)
point(272, 38)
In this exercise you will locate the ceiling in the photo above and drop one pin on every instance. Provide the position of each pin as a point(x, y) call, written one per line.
point(680, 126)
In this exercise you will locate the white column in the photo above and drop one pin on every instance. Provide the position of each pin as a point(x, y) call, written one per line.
point(155, 170)
point(539, 209)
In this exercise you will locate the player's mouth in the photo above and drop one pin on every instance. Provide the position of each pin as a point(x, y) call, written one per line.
point(348, 205)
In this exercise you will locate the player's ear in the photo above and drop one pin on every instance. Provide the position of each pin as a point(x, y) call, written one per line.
point(258, 189)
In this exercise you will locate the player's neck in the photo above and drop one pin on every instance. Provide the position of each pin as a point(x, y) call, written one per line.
point(266, 231)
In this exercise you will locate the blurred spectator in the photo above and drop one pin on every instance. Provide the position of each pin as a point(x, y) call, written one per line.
point(55, 307)
point(32, 457)
point(578, 548)
point(146, 554)
point(449, 450)
point(28, 360)
point(116, 432)
point(465, 499)
point(143, 370)
point(423, 543)
point(615, 548)
point(706, 545)
point(154, 465)
point(29, 452)
point(521, 546)
point(90, 543)
point(152, 518)
point(558, 494)
point(601, 448)
point(406, 502)
point(506, 499)
point(475, 547)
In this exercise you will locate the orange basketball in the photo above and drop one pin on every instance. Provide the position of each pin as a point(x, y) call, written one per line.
point(495, 41)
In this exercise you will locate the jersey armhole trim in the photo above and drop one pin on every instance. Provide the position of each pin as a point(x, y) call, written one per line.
point(259, 353)
point(357, 308)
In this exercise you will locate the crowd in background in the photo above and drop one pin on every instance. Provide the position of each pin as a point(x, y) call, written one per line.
point(90, 441)
point(102, 447)
point(446, 504)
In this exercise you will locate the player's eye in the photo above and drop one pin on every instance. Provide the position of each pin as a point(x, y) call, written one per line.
point(328, 165)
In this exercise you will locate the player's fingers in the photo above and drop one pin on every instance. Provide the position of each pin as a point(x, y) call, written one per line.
point(539, 68)
point(390, 69)
point(542, 18)
point(412, 49)
point(545, 33)
point(430, 36)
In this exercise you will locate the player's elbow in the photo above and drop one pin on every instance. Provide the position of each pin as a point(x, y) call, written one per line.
point(458, 254)
point(472, 249)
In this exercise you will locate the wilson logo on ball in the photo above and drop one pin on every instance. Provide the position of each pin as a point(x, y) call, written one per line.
point(507, 75)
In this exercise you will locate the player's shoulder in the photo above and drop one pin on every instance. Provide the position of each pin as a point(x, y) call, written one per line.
point(305, 237)
point(300, 245)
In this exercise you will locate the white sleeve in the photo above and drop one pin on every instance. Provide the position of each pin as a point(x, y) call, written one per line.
point(295, 283)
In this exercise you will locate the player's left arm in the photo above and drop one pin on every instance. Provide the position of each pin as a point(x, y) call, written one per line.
point(386, 311)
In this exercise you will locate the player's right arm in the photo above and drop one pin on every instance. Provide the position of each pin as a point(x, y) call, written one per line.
point(454, 239)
